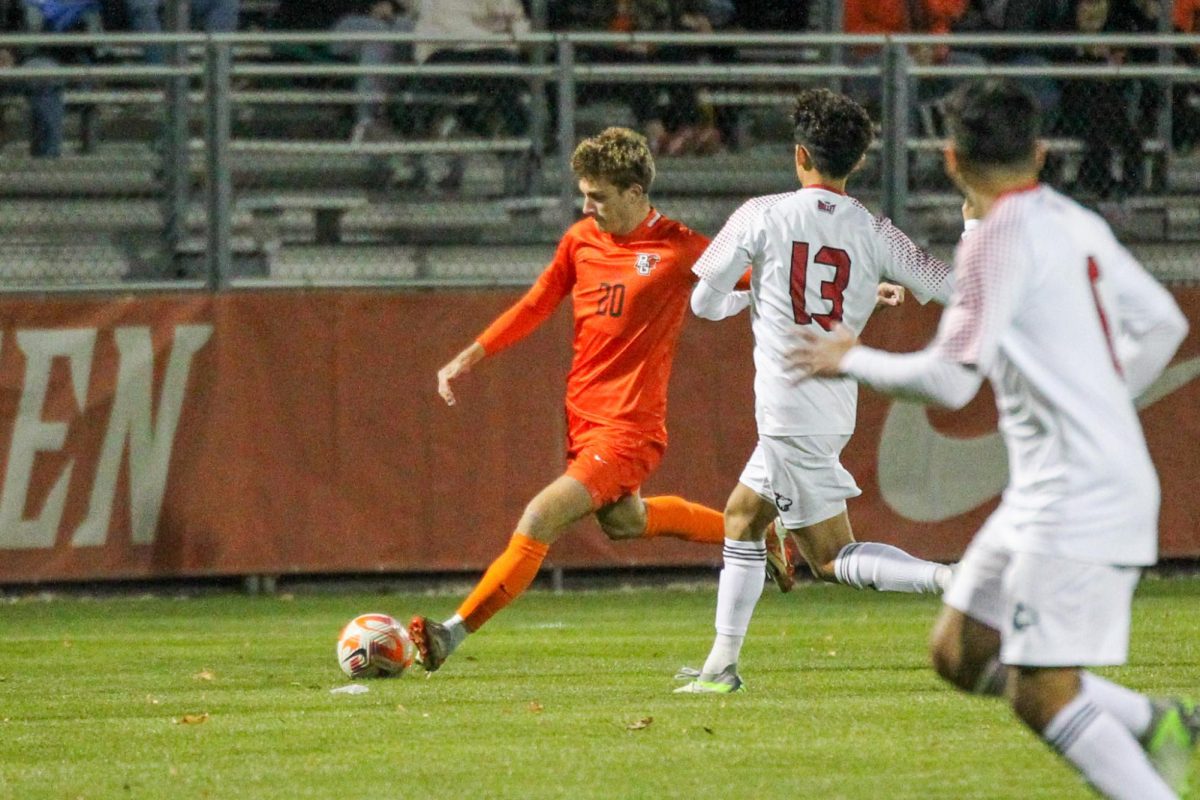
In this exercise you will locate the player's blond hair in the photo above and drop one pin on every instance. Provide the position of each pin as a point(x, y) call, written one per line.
point(617, 155)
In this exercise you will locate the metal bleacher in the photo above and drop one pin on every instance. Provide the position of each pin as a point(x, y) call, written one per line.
point(305, 204)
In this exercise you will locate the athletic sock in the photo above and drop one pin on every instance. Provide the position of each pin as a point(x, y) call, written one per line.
point(873, 565)
point(1131, 709)
point(1104, 752)
point(738, 590)
point(682, 519)
point(457, 628)
point(506, 578)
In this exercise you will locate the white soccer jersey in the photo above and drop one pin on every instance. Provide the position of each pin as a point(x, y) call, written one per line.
point(817, 256)
point(1045, 299)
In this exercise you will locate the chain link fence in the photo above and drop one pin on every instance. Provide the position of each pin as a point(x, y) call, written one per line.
point(92, 191)
point(336, 158)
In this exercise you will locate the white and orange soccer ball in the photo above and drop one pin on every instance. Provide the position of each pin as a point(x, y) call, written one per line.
point(375, 646)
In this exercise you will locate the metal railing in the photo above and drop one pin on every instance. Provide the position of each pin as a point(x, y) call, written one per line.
point(206, 80)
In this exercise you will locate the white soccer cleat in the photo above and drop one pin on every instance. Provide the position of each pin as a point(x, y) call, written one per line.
point(1171, 741)
point(726, 681)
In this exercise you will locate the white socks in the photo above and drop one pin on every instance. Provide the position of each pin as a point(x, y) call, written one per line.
point(1105, 752)
point(738, 591)
point(871, 565)
point(1131, 709)
point(1099, 733)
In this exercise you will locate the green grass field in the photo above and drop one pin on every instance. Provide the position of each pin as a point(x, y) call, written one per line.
point(563, 696)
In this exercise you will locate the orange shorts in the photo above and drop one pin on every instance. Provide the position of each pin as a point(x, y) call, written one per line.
point(609, 461)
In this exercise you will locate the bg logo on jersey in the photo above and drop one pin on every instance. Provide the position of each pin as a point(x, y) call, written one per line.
point(646, 262)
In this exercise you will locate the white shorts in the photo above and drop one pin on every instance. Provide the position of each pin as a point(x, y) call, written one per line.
point(802, 475)
point(1050, 611)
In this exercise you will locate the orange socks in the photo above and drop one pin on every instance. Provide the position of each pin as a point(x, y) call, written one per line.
point(505, 579)
point(511, 573)
point(674, 516)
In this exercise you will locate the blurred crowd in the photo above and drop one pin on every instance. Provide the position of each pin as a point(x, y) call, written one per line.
point(1111, 117)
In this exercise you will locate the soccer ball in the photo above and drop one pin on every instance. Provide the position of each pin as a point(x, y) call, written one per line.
point(375, 646)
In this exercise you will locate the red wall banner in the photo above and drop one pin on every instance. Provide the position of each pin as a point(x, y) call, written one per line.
point(300, 432)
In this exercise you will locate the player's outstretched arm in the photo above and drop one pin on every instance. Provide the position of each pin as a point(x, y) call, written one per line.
point(457, 367)
point(709, 302)
point(922, 376)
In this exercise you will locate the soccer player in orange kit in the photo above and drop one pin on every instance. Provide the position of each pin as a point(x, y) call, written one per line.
point(628, 271)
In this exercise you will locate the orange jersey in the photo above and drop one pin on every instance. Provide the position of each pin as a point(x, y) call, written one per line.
point(630, 294)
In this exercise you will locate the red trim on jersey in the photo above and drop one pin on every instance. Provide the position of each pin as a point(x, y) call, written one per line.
point(1093, 273)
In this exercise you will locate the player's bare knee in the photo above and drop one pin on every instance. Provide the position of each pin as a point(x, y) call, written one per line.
point(739, 524)
point(946, 657)
point(619, 530)
point(962, 650)
point(533, 524)
point(622, 520)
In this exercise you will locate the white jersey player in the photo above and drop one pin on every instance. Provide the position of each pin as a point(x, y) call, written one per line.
point(817, 258)
point(1068, 328)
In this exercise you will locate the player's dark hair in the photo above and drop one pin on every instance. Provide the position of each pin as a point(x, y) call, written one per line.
point(994, 123)
point(618, 155)
point(834, 129)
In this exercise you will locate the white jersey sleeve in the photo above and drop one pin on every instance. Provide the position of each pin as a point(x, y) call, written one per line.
point(735, 247)
point(710, 303)
point(987, 284)
point(921, 377)
point(1149, 326)
point(927, 277)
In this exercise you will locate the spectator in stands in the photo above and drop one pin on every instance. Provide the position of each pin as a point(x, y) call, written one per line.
point(771, 16)
point(906, 16)
point(47, 111)
point(373, 16)
point(304, 15)
point(1145, 97)
point(622, 16)
point(669, 116)
point(501, 107)
point(1185, 105)
point(1020, 16)
point(1101, 111)
point(1137, 16)
point(1186, 17)
point(696, 127)
point(210, 16)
